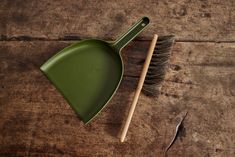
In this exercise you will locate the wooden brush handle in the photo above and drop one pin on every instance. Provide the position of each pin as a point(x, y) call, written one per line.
point(139, 87)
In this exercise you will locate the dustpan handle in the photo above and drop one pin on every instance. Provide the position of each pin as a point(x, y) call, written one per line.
point(123, 40)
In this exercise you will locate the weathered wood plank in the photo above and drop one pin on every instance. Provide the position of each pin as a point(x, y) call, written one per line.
point(36, 121)
point(188, 19)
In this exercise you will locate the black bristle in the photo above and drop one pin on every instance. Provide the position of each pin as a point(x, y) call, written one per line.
point(158, 65)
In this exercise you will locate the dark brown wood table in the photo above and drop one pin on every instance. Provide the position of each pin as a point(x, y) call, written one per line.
point(35, 120)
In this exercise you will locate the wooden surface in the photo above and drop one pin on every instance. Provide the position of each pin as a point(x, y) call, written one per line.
point(35, 120)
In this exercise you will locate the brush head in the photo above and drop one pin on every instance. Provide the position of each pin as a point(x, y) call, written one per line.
point(158, 65)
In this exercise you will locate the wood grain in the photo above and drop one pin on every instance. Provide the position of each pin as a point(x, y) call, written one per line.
point(189, 20)
point(36, 121)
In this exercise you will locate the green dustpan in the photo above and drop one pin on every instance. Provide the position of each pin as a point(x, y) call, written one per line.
point(89, 72)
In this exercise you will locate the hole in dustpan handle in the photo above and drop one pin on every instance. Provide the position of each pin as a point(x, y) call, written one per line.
point(124, 39)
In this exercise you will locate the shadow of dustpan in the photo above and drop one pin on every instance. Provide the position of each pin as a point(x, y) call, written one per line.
point(89, 72)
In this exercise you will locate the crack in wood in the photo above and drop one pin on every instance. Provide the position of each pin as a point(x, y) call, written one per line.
point(75, 38)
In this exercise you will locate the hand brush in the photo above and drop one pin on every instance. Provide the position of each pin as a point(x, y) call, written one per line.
point(158, 66)
point(152, 74)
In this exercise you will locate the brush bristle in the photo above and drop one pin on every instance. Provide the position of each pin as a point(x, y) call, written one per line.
point(158, 65)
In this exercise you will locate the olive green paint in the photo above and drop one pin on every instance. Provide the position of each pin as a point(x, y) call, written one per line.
point(89, 72)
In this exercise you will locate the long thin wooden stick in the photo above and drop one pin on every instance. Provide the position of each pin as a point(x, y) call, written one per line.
point(139, 87)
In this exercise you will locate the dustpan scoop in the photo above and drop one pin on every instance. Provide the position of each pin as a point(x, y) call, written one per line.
point(88, 73)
